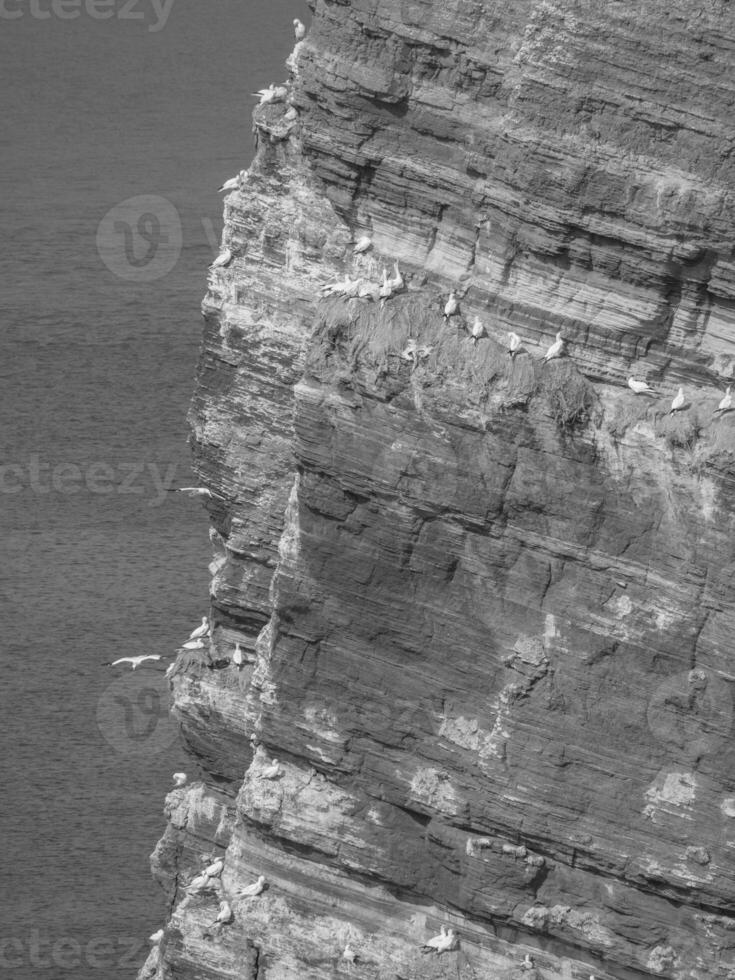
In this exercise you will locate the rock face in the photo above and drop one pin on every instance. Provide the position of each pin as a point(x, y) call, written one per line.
point(485, 601)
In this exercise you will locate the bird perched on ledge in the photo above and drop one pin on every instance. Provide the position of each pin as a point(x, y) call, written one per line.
point(222, 260)
point(273, 771)
point(298, 29)
point(180, 779)
point(556, 348)
point(362, 244)
point(478, 330)
point(514, 343)
point(274, 93)
point(678, 403)
point(200, 630)
point(441, 943)
point(452, 306)
point(726, 403)
point(640, 387)
point(250, 891)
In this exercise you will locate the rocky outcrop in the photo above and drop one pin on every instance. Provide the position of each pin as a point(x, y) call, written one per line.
point(485, 601)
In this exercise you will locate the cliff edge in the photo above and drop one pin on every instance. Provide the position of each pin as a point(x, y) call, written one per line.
point(485, 601)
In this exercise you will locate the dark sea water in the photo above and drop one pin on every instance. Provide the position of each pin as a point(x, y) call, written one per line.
point(98, 349)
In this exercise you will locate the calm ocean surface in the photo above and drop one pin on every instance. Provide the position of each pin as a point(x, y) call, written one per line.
point(96, 370)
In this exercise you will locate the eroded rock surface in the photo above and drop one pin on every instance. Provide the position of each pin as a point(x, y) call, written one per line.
point(486, 601)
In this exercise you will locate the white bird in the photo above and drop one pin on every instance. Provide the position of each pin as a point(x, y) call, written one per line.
point(252, 890)
point(230, 185)
point(449, 941)
point(478, 330)
point(386, 289)
point(156, 937)
point(214, 870)
point(298, 29)
point(133, 661)
point(274, 93)
point(198, 883)
point(640, 387)
point(678, 402)
point(225, 914)
point(349, 954)
point(451, 306)
point(556, 348)
point(397, 282)
point(200, 630)
point(197, 644)
point(527, 963)
point(273, 771)
point(363, 244)
point(436, 941)
point(179, 778)
point(237, 657)
point(223, 259)
point(194, 492)
point(726, 403)
point(371, 290)
point(514, 342)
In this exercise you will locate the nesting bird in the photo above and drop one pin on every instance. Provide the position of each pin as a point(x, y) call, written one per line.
point(640, 387)
point(214, 870)
point(222, 260)
point(237, 657)
point(514, 342)
point(299, 29)
point(452, 306)
point(225, 914)
point(478, 330)
point(397, 282)
point(726, 403)
point(349, 954)
point(179, 779)
point(556, 348)
point(273, 771)
point(156, 937)
point(197, 644)
point(441, 943)
point(274, 93)
point(678, 402)
point(200, 630)
point(362, 244)
point(250, 891)
point(527, 963)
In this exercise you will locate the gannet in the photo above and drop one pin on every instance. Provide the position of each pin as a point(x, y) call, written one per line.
point(133, 661)
point(555, 349)
point(298, 29)
point(200, 630)
point(678, 402)
point(223, 259)
point(197, 644)
point(363, 244)
point(156, 937)
point(436, 941)
point(397, 282)
point(194, 492)
point(514, 342)
point(214, 870)
point(198, 883)
point(225, 914)
point(237, 657)
point(291, 113)
point(478, 330)
point(451, 306)
point(640, 387)
point(272, 771)
point(230, 185)
point(726, 403)
point(179, 778)
point(527, 963)
point(349, 954)
point(252, 890)
point(274, 93)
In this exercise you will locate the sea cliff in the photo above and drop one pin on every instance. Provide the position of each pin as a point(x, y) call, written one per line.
point(485, 601)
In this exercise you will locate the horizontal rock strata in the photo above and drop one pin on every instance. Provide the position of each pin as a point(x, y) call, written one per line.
point(485, 601)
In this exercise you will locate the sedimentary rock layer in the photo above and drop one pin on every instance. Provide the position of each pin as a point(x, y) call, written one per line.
point(485, 601)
